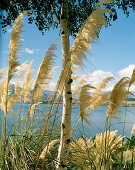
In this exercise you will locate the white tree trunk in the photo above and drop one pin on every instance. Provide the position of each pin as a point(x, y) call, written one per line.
point(63, 150)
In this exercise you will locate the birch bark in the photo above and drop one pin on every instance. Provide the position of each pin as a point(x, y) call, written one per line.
point(63, 150)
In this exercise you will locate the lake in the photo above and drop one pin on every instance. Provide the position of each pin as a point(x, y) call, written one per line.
point(96, 118)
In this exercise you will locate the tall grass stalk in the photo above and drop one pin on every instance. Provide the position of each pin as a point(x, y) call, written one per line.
point(13, 63)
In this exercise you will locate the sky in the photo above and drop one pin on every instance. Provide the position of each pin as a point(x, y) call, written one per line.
point(112, 55)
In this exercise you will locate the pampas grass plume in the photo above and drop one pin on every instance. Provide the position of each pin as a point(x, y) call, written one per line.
point(14, 98)
point(78, 86)
point(88, 35)
point(15, 44)
point(27, 78)
point(117, 97)
point(104, 83)
point(44, 69)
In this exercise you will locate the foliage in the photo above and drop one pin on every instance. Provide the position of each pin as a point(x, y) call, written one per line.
point(47, 13)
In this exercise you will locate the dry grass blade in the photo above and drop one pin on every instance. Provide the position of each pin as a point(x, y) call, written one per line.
point(15, 44)
point(117, 97)
point(48, 148)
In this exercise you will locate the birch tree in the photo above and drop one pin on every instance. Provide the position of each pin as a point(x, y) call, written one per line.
point(69, 16)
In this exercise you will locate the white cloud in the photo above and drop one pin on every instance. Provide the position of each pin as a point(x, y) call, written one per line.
point(126, 72)
point(97, 76)
point(30, 51)
point(27, 50)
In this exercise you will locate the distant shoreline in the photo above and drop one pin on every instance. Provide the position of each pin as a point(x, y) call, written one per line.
point(124, 104)
point(128, 103)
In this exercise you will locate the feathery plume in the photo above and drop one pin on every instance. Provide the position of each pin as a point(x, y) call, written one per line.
point(98, 150)
point(3, 94)
point(27, 78)
point(32, 109)
point(99, 100)
point(27, 83)
point(20, 72)
point(118, 95)
point(84, 101)
point(15, 44)
point(74, 77)
point(48, 148)
point(21, 69)
point(17, 86)
point(12, 101)
point(78, 86)
point(49, 77)
point(88, 35)
point(75, 68)
point(104, 83)
point(98, 95)
point(44, 69)
point(27, 93)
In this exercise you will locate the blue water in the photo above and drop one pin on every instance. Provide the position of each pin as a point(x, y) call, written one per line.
point(96, 118)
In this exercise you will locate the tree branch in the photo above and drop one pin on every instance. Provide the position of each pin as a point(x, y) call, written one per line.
point(58, 18)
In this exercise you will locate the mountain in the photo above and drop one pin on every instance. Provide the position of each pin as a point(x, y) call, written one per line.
point(45, 95)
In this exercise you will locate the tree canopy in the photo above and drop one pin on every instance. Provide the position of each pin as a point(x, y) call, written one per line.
point(47, 13)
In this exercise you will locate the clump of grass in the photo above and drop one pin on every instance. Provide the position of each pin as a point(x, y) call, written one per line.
point(79, 155)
